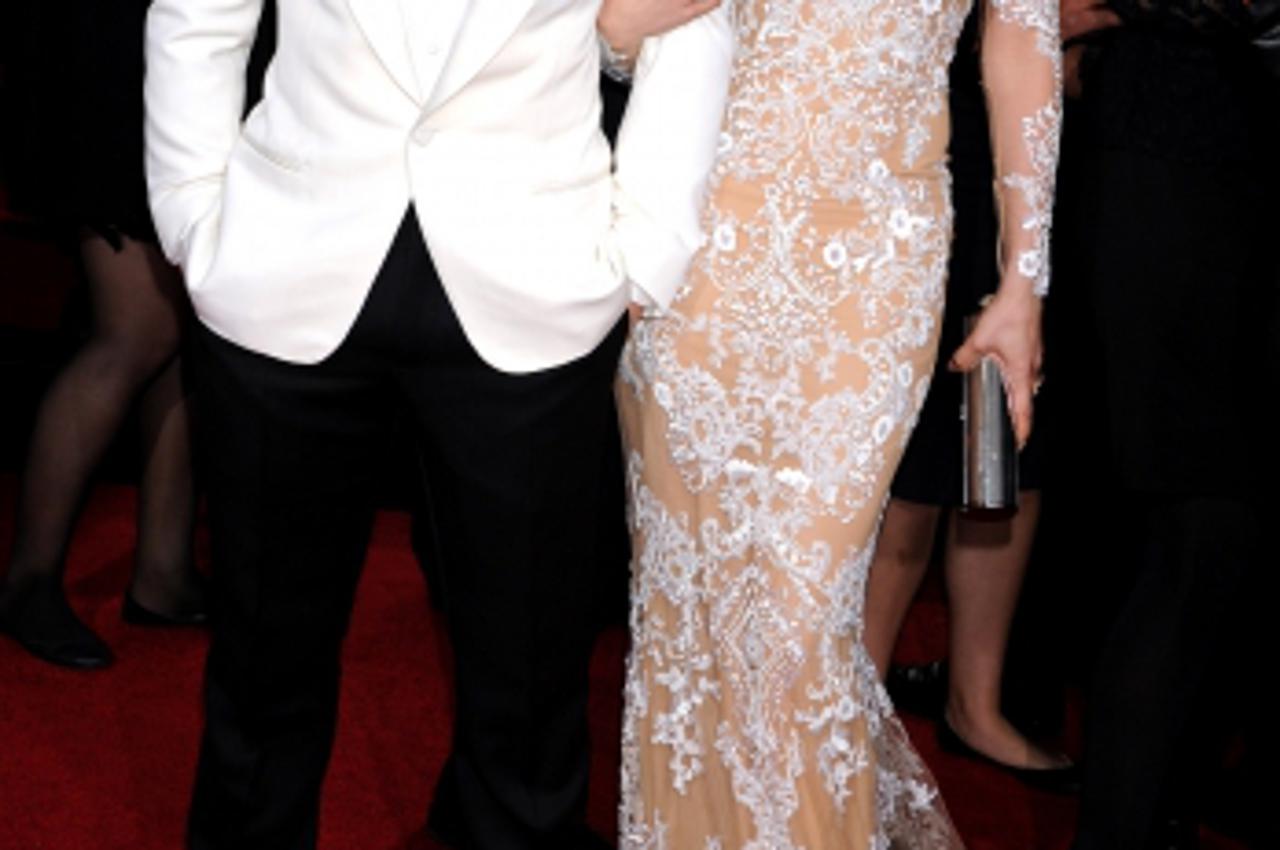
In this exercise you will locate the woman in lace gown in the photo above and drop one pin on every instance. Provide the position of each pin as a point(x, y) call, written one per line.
point(766, 406)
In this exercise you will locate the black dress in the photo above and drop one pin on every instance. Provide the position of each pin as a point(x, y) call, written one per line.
point(76, 79)
point(931, 471)
point(75, 72)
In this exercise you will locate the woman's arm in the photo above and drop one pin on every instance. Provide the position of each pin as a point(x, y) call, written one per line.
point(1022, 74)
point(196, 53)
point(625, 24)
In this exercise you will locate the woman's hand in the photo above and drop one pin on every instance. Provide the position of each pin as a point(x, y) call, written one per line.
point(625, 24)
point(1081, 17)
point(1072, 84)
point(1009, 332)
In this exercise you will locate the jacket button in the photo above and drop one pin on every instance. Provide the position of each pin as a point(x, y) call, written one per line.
point(423, 134)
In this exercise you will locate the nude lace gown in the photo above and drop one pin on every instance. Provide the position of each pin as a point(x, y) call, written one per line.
point(766, 410)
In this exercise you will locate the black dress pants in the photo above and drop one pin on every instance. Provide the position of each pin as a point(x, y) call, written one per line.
point(1182, 276)
point(1157, 685)
point(515, 483)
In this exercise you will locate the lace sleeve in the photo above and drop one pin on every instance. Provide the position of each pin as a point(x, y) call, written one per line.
point(1022, 73)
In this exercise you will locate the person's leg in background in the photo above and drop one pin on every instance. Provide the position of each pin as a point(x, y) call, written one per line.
point(139, 309)
point(165, 582)
point(986, 562)
point(902, 556)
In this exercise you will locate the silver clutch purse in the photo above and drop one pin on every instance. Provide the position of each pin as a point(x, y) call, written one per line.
point(990, 451)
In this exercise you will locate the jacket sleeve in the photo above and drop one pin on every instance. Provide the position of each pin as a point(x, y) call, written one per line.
point(196, 53)
point(665, 149)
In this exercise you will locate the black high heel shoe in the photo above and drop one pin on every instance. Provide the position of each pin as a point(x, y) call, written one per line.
point(135, 615)
point(919, 689)
point(1055, 780)
point(40, 619)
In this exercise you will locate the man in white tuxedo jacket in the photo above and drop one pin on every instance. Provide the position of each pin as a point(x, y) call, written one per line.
point(421, 210)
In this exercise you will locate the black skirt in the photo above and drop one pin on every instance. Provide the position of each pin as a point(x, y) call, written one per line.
point(75, 81)
point(74, 85)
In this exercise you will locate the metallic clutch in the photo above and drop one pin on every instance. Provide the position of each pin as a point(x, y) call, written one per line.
point(990, 451)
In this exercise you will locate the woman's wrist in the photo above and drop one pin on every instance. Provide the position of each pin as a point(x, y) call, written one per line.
point(1019, 293)
point(618, 38)
point(617, 65)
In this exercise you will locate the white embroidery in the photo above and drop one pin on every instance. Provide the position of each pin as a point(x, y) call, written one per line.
point(781, 386)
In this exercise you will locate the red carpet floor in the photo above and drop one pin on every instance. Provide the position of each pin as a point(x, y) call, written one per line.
point(103, 760)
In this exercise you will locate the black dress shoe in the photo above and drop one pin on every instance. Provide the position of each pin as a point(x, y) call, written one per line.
point(591, 840)
point(1236, 807)
point(39, 618)
point(135, 615)
point(919, 689)
point(1177, 833)
point(1055, 780)
point(583, 839)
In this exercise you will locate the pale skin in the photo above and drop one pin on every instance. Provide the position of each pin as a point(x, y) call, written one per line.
point(625, 24)
point(985, 562)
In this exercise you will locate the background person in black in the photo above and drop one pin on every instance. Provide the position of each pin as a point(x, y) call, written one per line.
point(75, 158)
point(1171, 228)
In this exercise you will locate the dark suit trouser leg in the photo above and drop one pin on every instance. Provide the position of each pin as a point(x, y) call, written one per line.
point(1177, 280)
point(516, 489)
point(1159, 655)
point(288, 473)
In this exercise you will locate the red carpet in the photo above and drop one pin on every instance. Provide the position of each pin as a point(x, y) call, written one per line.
point(103, 761)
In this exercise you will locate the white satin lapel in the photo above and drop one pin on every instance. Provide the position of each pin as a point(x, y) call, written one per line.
point(385, 27)
point(489, 23)
point(432, 30)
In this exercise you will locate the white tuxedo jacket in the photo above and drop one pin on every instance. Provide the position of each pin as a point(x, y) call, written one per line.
point(484, 114)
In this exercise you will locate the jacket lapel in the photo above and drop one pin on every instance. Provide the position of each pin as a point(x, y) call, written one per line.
point(385, 27)
point(433, 47)
point(488, 25)
point(432, 29)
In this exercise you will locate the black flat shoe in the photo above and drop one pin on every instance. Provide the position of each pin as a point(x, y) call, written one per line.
point(1179, 833)
point(135, 615)
point(445, 826)
point(919, 689)
point(42, 622)
point(1055, 780)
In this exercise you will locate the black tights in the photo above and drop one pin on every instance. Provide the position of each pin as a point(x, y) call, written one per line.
point(139, 309)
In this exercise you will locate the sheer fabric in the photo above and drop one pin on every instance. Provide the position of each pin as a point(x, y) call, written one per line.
point(766, 410)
